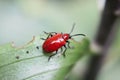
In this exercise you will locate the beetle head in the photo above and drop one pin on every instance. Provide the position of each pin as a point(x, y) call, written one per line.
point(66, 36)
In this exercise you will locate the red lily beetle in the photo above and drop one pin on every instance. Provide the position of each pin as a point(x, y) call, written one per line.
point(55, 41)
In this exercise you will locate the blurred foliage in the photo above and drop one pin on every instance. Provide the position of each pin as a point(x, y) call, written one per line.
point(25, 18)
point(30, 63)
point(110, 69)
point(21, 19)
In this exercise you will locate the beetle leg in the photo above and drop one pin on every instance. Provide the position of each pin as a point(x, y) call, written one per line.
point(61, 49)
point(52, 55)
point(45, 32)
point(49, 35)
point(71, 47)
point(64, 51)
point(68, 44)
point(53, 32)
point(42, 38)
point(49, 32)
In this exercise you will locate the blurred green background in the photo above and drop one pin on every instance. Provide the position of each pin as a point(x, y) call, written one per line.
point(22, 19)
point(26, 18)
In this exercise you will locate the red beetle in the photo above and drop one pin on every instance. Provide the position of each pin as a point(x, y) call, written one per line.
point(55, 41)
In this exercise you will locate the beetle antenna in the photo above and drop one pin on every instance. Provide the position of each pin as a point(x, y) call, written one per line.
point(77, 35)
point(72, 28)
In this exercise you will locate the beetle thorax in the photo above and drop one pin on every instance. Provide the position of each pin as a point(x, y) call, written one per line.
point(66, 36)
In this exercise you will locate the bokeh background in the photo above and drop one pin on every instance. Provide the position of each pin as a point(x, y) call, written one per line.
point(20, 20)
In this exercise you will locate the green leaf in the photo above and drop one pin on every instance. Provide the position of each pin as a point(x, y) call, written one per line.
point(30, 63)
